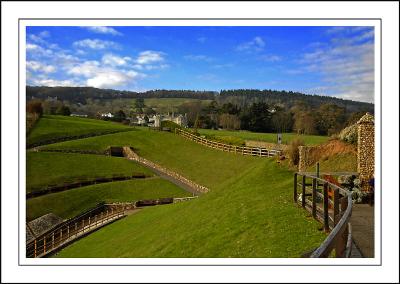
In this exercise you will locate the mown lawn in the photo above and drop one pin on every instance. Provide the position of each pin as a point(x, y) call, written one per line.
point(45, 168)
point(250, 214)
point(51, 127)
point(72, 202)
point(266, 137)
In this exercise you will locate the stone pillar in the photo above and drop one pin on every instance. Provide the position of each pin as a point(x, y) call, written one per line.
point(366, 151)
point(303, 150)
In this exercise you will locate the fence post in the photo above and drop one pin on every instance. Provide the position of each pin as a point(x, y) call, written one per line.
point(44, 244)
point(52, 240)
point(295, 188)
point(303, 192)
point(336, 216)
point(314, 198)
point(326, 213)
point(342, 240)
point(34, 249)
point(60, 235)
point(68, 231)
point(260, 152)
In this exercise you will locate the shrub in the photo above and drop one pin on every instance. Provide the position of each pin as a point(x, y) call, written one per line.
point(349, 134)
point(293, 150)
point(34, 106)
point(171, 125)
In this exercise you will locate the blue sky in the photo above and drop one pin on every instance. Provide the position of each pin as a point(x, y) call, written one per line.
point(334, 61)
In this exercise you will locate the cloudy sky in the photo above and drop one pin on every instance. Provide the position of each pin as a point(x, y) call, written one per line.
point(334, 61)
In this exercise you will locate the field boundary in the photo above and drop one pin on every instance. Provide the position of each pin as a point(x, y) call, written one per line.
point(131, 155)
point(81, 182)
point(74, 137)
point(243, 150)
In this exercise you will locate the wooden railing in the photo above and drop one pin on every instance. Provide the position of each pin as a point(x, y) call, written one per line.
point(70, 230)
point(332, 206)
point(243, 150)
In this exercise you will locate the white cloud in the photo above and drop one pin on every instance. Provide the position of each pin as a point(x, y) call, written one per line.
point(346, 64)
point(39, 67)
point(37, 50)
point(115, 60)
point(100, 76)
point(103, 30)
point(95, 44)
point(54, 83)
point(112, 79)
point(149, 56)
point(86, 68)
point(255, 45)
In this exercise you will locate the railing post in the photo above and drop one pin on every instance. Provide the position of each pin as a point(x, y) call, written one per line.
point(326, 212)
point(336, 216)
point(314, 198)
point(295, 188)
point(340, 248)
point(303, 192)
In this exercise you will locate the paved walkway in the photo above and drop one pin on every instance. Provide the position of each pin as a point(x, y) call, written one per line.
point(362, 221)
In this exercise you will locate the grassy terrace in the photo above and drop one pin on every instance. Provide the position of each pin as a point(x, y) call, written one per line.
point(55, 168)
point(266, 137)
point(72, 202)
point(248, 213)
point(53, 127)
point(201, 164)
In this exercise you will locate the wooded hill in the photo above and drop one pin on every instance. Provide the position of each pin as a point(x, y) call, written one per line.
point(240, 97)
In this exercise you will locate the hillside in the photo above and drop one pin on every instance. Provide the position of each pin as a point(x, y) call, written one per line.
point(248, 213)
point(240, 96)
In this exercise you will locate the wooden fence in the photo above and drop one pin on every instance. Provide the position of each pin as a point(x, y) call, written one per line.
point(332, 206)
point(243, 150)
point(70, 230)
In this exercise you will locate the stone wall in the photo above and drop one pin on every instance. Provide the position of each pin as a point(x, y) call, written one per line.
point(130, 154)
point(304, 153)
point(366, 151)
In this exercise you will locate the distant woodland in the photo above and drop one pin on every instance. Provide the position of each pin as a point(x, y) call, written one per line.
point(244, 109)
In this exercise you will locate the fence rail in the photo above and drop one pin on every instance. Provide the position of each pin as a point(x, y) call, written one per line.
point(243, 150)
point(70, 230)
point(332, 206)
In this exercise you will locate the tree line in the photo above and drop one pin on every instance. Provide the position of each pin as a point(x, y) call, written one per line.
point(302, 118)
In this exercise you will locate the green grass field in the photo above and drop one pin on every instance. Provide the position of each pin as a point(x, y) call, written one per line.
point(248, 212)
point(51, 127)
point(72, 202)
point(175, 152)
point(266, 137)
point(248, 215)
point(55, 168)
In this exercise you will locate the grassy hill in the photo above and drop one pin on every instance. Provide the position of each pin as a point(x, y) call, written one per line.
point(55, 168)
point(265, 137)
point(51, 128)
point(72, 202)
point(205, 166)
point(248, 213)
